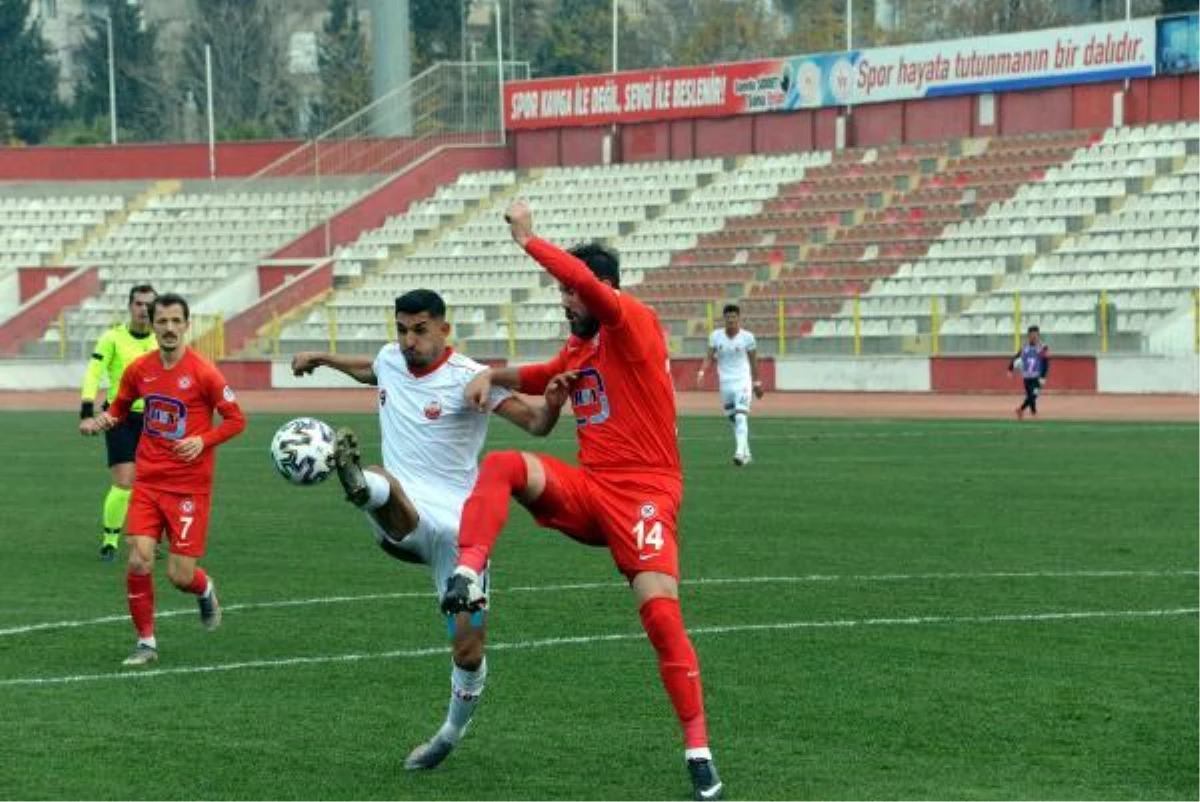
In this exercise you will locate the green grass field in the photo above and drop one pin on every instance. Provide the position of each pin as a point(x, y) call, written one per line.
point(883, 609)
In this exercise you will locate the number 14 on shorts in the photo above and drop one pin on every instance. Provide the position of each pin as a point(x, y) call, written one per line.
point(648, 537)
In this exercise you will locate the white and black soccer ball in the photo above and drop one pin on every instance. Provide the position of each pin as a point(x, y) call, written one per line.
point(303, 451)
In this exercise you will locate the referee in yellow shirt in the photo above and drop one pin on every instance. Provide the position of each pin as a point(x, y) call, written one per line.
point(115, 349)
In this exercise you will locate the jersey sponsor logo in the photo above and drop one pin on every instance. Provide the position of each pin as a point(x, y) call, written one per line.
point(588, 398)
point(433, 409)
point(164, 417)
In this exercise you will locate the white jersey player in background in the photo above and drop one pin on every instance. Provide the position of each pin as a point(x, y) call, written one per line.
point(736, 353)
point(431, 444)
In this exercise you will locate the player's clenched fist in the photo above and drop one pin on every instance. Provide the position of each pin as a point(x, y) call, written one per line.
point(520, 221)
point(558, 390)
point(305, 363)
point(478, 390)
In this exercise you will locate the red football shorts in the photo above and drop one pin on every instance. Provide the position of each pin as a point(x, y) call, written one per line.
point(633, 514)
point(182, 516)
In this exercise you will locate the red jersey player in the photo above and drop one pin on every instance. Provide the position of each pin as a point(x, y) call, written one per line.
point(174, 466)
point(626, 491)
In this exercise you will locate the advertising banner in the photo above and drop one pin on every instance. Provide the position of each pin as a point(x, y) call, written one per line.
point(1104, 52)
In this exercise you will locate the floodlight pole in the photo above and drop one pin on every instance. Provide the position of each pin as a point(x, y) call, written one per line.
point(112, 82)
point(614, 35)
point(208, 87)
point(500, 71)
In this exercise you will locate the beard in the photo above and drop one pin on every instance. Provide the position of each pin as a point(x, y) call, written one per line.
point(585, 328)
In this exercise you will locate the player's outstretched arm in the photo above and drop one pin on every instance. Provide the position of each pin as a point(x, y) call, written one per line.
point(533, 415)
point(359, 367)
point(601, 299)
point(479, 388)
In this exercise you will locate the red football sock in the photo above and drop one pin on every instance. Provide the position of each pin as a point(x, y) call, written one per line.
point(140, 594)
point(502, 474)
point(677, 665)
point(199, 582)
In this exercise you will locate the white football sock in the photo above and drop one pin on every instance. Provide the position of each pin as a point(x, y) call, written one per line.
point(379, 489)
point(741, 431)
point(697, 753)
point(150, 641)
point(465, 689)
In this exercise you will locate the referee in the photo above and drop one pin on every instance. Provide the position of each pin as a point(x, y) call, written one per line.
point(115, 349)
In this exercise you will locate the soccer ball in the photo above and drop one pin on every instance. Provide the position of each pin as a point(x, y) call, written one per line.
point(302, 451)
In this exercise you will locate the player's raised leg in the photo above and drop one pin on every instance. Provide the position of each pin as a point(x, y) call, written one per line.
point(503, 475)
point(374, 491)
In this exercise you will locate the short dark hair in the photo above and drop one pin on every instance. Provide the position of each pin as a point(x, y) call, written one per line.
point(601, 260)
point(170, 299)
point(731, 308)
point(1034, 330)
point(138, 289)
point(414, 302)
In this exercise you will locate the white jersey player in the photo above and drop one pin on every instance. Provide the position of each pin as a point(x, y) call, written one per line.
point(431, 444)
point(736, 353)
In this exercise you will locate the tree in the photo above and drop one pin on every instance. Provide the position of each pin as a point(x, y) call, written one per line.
point(435, 28)
point(729, 32)
point(577, 39)
point(251, 91)
point(28, 75)
point(140, 89)
point(345, 66)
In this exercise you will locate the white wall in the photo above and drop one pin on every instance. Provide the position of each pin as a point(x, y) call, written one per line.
point(322, 378)
point(41, 374)
point(853, 374)
point(10, 294)
point(233, 296)
point(1144, 374)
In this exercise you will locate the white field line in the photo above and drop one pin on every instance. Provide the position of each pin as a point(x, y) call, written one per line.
point(586, 640)
point(944, 430)
point(716, 581)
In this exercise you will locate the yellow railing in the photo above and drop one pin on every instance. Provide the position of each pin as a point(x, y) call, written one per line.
point(935, 326)
point(1017, 320)
point(1104, 321)
point(209, 339)
point(857, 327)
point(781, 321)
point(1196, 321)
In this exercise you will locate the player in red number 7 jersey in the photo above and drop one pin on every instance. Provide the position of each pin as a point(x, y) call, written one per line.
point(173, 466)
point(626, 491)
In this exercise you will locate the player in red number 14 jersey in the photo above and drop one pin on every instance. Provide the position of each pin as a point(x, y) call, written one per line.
point(626, 491)
point(172, 486)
